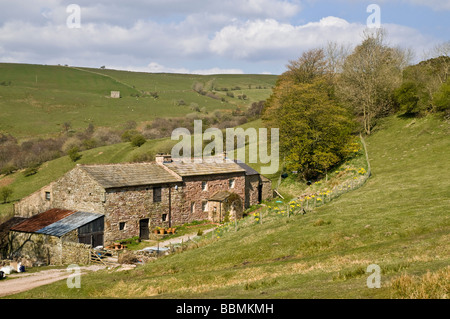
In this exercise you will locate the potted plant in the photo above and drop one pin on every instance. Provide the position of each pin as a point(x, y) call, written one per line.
point(162, 231)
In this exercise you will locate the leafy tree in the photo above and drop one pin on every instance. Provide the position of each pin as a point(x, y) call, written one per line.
point(407, 96)
point(315, 129)
point(128, 135)
point(430, 78)
point(442, 97)
point(5, 193)
point(74, 154)
point(138, 140)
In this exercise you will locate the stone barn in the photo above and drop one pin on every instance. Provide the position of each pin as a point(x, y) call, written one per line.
point(115, 94)
point(129, 200)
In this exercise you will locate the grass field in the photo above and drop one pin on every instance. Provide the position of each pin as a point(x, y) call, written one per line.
point(37, 99)
point(398, 220)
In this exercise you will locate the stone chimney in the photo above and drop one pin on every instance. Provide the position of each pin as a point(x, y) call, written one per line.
point(161, 158)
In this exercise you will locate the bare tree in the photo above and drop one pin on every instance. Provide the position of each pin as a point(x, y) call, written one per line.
point(335, 55)
point(309, 66)
point(368, 77)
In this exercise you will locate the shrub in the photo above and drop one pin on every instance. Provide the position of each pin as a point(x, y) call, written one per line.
point(138, 140)
point(32, 170)
point(8, 169)
point(128, 135)
point(74, 154)
point(5, 193)
point(145, 157)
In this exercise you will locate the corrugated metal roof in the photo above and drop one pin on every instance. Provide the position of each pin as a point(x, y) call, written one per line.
point(42, 220)
point(68, 224)
point(133, 174)
point(204, 168)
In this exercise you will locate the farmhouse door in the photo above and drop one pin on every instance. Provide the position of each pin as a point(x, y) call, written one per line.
point(144, 232)
point(260, 193)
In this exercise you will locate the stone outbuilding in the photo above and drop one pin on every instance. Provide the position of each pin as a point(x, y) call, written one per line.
point(57, 236)
point(108, 203)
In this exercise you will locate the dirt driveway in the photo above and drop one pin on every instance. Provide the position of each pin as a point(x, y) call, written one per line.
point(20, 282)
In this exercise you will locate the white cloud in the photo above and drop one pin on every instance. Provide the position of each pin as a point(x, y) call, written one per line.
point(154, 67)
point(264, 39)
point(258, 39)
point(218, 71)
point(177, 33)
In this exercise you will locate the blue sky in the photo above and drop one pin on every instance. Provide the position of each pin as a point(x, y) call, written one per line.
point(205, 37)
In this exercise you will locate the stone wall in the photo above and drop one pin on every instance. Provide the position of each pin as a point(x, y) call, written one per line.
point(75, 253)
point(38, 248)
point(267, 191)
point(130, 205)
point(215, 183)
point(49, 250)
point(34, 204)
point(251, 190)
point(77, 191)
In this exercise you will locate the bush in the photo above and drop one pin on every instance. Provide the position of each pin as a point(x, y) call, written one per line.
point(74, 154)
point(5, 193)
point(32, 170)
point(128, 135)
point(8, 169)
point(90, 143)
point(138, 140)
point(145, 157)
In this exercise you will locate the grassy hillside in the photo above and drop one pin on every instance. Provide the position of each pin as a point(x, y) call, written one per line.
point(398, 220)
point(38, 99)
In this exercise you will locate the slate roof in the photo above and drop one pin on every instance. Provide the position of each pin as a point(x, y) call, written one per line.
point(219, 196)
point(248, 169)
point(204, 168)
point(42, 220)
point(68, 224)
point(135, 174)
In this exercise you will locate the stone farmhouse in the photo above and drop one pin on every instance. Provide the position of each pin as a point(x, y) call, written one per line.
point(98, 205)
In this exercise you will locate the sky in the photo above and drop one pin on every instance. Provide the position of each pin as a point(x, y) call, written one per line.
point(207, 36)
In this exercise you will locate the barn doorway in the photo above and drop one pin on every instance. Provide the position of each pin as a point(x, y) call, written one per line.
point(92, 233)
point(144, 232)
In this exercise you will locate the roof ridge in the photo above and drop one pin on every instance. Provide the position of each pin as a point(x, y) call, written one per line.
point(117, 164)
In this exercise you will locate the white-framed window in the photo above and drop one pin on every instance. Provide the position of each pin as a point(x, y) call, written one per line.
point(205, 206)
point(47, 196)
point(204, 186)
point(231, 182)
point(164, 217)
point(122, 225)
point(192, 207)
